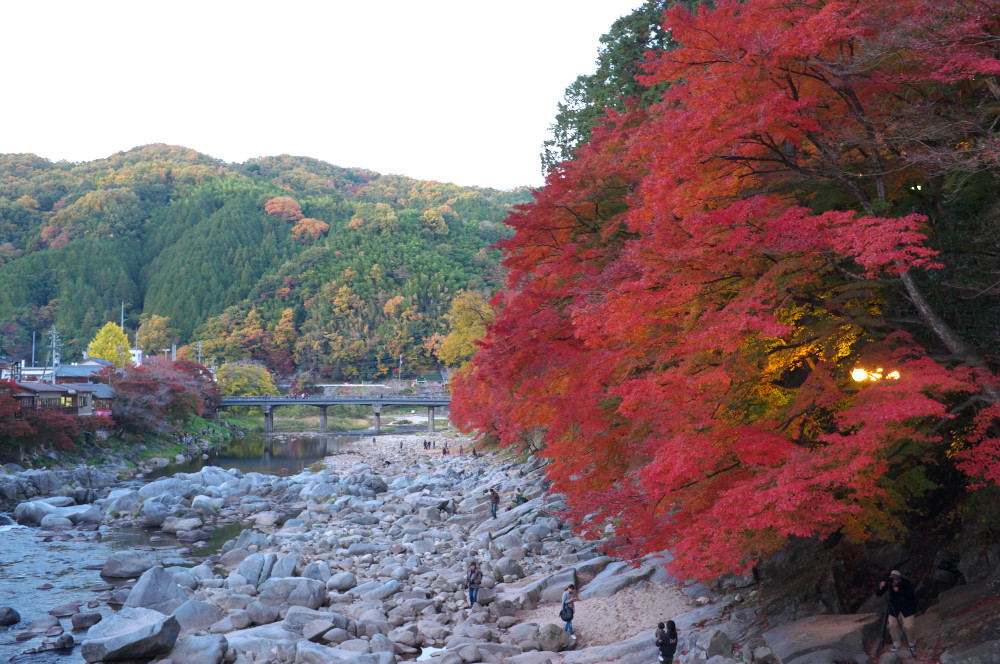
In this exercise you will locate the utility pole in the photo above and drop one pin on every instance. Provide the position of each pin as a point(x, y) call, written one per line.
point(55, 343)
point(198, 346)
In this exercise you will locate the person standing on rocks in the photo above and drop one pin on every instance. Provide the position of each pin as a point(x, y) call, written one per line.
point(666, 641)
point(494, 502)
point(900, 610)
point(519, 498)
point(474, 581)
point(566, 611)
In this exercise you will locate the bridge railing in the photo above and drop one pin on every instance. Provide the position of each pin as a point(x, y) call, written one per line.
point(389, 400)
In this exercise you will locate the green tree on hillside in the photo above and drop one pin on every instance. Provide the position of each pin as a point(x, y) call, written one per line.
point(619, 60)
point(110, 344)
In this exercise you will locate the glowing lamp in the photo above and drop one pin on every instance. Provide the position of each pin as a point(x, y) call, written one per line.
point(860, 375)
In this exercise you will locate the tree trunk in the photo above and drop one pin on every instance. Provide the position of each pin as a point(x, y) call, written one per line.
point(955, 343)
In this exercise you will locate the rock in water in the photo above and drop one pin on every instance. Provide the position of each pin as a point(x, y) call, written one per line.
point(126, 564)
point(65, 610)
point(132, 633)
point(64, 642)
point(8, 616)
point(85, 620)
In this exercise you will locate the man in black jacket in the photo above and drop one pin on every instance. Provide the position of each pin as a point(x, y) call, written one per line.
point(901, 609)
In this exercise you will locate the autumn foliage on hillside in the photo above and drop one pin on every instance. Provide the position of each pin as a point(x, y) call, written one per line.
point(688, 297)
point(284, 207)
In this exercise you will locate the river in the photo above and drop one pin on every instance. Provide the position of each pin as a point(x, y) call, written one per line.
point(28, 562)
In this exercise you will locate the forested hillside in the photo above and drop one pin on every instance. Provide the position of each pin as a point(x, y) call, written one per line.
point(348, 271)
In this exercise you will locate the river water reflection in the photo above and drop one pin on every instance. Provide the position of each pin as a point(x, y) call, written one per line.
point(27, 562)
point(283, 454)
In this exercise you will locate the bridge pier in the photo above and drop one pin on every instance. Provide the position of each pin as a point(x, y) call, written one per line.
point(267, 403)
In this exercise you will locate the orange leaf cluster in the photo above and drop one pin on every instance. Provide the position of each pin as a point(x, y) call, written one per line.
point(284, 207)
point(308, 227)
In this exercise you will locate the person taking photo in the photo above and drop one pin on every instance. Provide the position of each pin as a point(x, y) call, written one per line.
point(900, 610)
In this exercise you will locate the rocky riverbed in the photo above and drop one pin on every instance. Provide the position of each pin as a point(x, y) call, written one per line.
point(364, 561)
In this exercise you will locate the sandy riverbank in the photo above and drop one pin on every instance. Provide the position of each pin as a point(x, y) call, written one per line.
point(400, 448)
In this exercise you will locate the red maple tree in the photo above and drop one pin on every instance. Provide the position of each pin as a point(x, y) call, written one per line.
point(680, 324)
point(160, 394)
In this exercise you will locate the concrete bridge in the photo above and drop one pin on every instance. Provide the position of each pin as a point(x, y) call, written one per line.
point(377, 402)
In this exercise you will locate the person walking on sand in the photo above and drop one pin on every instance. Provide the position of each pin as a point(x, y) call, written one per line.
point(494, 502)
point(473, 581)
point(566, 611)
point(666, 641)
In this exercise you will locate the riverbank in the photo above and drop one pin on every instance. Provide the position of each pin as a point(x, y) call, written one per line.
point(104, 467)
point(363, 558)
point(381, 536)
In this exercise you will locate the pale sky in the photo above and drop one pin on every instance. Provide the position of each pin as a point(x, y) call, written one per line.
point(458, 91)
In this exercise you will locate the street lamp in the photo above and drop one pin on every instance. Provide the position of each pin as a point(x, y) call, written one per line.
point(861, 375)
